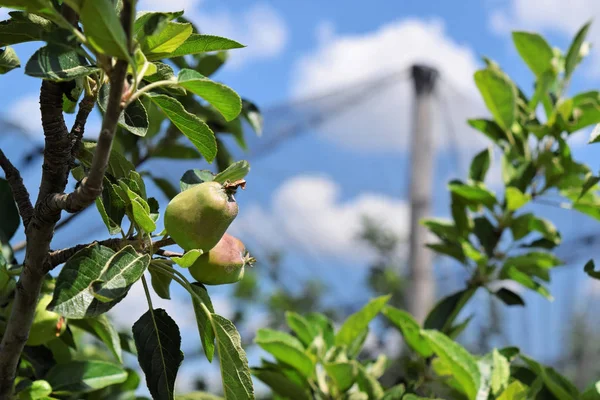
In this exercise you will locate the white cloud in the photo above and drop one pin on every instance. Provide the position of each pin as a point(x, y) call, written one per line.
point(189, 6)
point(384, 121)
point(559, 16)
point(260, 27)
point(306, 214)
point(25, 113)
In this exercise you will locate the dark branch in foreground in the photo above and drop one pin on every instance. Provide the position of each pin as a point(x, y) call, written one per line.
point(20, 193)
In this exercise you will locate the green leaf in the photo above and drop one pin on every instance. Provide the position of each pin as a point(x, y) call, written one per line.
point(84, 376)
point(473, 193)
point(166, 41)
point(190, 125)
point(527, 223)
point(282, 384)
point(103, 29)
point(535, 263)
point(490, 129)
point(480, 165)
point(304, 330)
point(188, 258)
point(35, 390)
point(9, 214)
point(534, 50)
point(203, 309)
point(410, 329)
point(196, 44)
point(461, 363)
point(324, 327)
point(134, 118)
point(589, 269)
point(590, 182)
point(111, 208)
point(193, 177)
point(176, 151)
point(499, 95)
point(592, 392)
point(509, 297)
point(367, 383)
point(359, 321)
point(123, 270)
point(101, 328)
point(118, 165)
point(396, 393)
point(515, 199)
point(141, 215)
point(500, 372)
point(527, 281)
point(234, 172)
point(515, 391)
point(594, 137)
point(8, 60)
point(149, 23)
point(573, 55)
point(139, 211)
point(161, 282)
point(158, 344)
point(237, 383)
point(23, 27)
point(74, 294)
point(487, 234)
point(251, 113)
point(286, 349)
point(556, 383)
point(58, 63)
point(446, 310)
point(218, 95)
point(342, 373)
point(164, 72)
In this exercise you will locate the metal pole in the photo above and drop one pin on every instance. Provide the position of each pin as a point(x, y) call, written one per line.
point(421, 293)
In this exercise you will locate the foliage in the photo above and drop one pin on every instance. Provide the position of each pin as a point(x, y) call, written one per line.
point(492, 235)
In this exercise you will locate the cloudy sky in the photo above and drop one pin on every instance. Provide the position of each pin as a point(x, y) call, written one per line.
point(307, 196)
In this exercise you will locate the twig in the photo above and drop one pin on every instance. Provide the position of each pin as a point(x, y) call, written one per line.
point(20, 193)
point(85, 107)
point(167, 253)
point(162, 243)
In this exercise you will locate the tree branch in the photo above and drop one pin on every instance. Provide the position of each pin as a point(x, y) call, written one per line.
point(91, 186)
point(85, 107)
point(167, 253)
point(20, 193)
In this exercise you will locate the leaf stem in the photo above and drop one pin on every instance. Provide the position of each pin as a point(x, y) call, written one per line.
point(147, 88)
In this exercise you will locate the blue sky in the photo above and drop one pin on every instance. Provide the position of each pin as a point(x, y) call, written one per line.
point(307, 196)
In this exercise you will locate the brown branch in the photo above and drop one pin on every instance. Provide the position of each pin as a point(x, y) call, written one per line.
point(85, 107)
point(20, 193)
point(40, 230)
point(91, 186)
point(167, 253)
point(162, 243)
